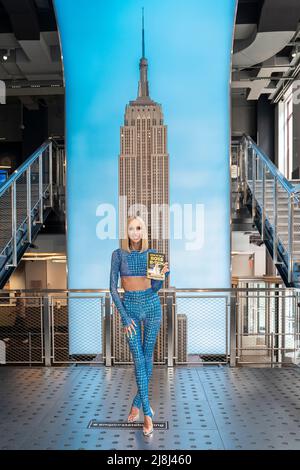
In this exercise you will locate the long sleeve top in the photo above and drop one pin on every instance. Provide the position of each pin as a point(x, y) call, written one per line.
point(129, 264)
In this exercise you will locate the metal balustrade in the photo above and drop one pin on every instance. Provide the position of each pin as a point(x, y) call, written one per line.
point(268, 326)
point(254, 323)
point(274, 204)
point(26, 199)
point(21, 329)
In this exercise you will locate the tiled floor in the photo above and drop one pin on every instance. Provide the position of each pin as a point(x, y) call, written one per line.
point(207, 407)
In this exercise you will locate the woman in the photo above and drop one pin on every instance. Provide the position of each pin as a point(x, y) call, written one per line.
point(140, 303)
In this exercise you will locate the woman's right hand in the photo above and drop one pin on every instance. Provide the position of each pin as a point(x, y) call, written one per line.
point(130, 328)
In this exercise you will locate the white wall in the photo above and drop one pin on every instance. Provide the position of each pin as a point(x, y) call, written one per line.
point(240, 264)
point(56, 275)
point(43, 274)
point(241, 267)
point(17, 279)
point(36, 274)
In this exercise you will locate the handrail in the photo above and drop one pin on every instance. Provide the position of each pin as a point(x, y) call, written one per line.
point(167, 290)
point(56, 144)
point(288, 186)
point(16, 174)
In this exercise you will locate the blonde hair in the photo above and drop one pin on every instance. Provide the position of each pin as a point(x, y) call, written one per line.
point(125, 241)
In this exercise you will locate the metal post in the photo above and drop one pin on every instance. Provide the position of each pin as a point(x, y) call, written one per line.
point(107, 330)
point(276, 342)
point(57, 177)
point(240, 169)
point(170, 330)
point(240, 328)
point(275, 222)
point(46, 328)
point(14, 223)
point(245, 180)
point(253, 182)
point(50, 176)
point(269, 320)
point(58, 183)
point(233, 323)
point(226, 330)
point(41, 199)
point(267, 313)
point(290, 235)
point(263, 212)
point(257, 312)
point(63, 167)
point(175, 333)
point(30, 348)
point(28, 194)
point(296, 336)
point(272, 349)
point(283, 329)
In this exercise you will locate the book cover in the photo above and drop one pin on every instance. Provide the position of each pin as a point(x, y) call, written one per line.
point(155, 264)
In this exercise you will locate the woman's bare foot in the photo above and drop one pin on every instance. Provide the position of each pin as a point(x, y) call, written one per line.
point(133, 415)
point(148, 425)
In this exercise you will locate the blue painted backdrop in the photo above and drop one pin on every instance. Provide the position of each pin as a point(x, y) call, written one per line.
point(188, 47)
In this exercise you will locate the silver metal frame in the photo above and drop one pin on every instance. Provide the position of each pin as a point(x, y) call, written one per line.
point(233, 329)
point(41, 333)
point(170, 333)
point(106, 352)
point(275, 340)
point(174, 327)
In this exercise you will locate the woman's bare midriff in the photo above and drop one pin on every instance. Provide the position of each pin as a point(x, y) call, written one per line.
point(135, 282)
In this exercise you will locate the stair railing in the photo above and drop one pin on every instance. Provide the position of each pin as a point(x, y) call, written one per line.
point(257, 173)
point(24, 196)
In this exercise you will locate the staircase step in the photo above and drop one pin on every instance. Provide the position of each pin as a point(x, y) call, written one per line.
point(284, 237)
point(280, 205)
point(296, 244)
point(283, 215)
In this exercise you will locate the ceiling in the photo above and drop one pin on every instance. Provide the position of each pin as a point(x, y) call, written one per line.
point(266, 50)
point(266, 34)
point(33, 68)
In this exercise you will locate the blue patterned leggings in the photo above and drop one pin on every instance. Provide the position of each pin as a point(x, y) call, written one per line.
point(143, 305)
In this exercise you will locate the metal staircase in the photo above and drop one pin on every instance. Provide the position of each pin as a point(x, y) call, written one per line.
point(26, 199)
point(274, 205)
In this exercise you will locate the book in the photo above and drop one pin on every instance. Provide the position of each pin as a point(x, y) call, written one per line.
point(155, 264)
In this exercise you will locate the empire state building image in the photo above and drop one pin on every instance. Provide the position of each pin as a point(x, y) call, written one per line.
point(144, 164)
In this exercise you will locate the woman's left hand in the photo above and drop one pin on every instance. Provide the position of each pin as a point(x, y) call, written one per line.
point(165, 269)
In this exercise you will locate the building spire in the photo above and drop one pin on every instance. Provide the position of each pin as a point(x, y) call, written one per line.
point(143, 34)
point(143, 91)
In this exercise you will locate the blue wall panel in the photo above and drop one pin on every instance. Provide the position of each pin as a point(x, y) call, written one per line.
point(188, 47)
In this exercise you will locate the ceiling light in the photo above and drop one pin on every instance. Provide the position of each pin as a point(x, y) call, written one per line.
point(6, 56)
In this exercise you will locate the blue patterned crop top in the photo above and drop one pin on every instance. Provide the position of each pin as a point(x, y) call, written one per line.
point(129, 264)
